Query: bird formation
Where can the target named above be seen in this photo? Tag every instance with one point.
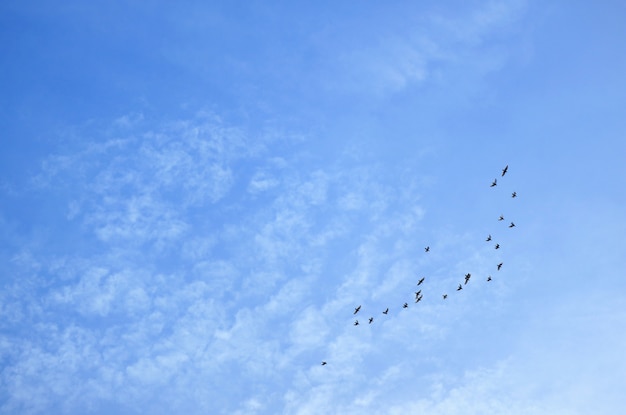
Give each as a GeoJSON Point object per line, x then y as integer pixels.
{"type": "Point", "coordinates": [418, 294]}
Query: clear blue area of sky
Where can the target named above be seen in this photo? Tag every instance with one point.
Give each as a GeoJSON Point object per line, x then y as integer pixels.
{"type": "Point", "coordinates": [195, 196]}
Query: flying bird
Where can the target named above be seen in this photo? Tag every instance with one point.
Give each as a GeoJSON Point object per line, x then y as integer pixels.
{"type": "Point", "coordinates": [514, 194]}
{"type": "Point", "coordinates": [445, 296]}
{"type": "Point", "coordinates": [488, 238]}
{"type": "Point", "coordinates": [405, 305]}
{"type": "Point", "coordinates": [467, 277]}
{"type": "Point", "coordinates": [421, 281]}
{"type": "Point", "coordinates": [371, 319]}
{"type": "Point", "coordinates": [386, 310]}
{"type": "Point", "coordinates": [512, 225]}
{"type": "Point", "coordinates": [460, 287]}
{"type": "Point", "coordinates": [494, 183]}
{"type": "Point", "coordinates": [499, 266]}
{"type": "Point", "coordinates": [501, 217]}
{"type": "Point", "coordinates": [323, 363]}
{"type": "Point", "coordinates": [427, 249]}
{"type": "Point", "coordinates": [418, 299]}
{"type": "Point", "coordinates": [417, 293]}
{"type": "Point", "coordinates": [489, 278]}
{"type": "Point", "coordinates": [356, 310]}
{"type": "Point", "coordinates": [497, 246]}
{"type": "Point", "coordinates": [505, 169]}
{"type": "Point", "coordinates": [356, 322]}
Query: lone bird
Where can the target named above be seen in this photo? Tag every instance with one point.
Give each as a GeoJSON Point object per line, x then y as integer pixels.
{"type": "Point", "coordinates": [356, 310]}
{"type": "Point", "coordinates": [494, 183]}
{"type": "Point", "coordinates": [488, 238]}
{"type": "Point", "coordinates": [499, 266]}
{"type": "Point", "coordinates": [512, 225]}
{"type": "Point", "coordinates": [356, 322]}
{"type": "Point", "coordinates": [514, 194]}
{"type": "Point", "coordinates": [489, 278]}
{"type": "Point", "coordinates": [405, 305]}
{"type": "Point", "coordinates": [386, 310]}
{"type": "Point", "coordinates": [323, 363]}
{"type": "Point", "coordinates": [505, 169]}
{"type": "Point", "coordinates": [421, 281]}
{"type": "Point", "coordinates": [427, 249]}
{"type": "Point", "coordinates": [445, 296]}
{"type": "Point", "coordinates": [467, 277]}
{"type": "Point", "coordinates": [501, 217]}
{"type": "Point", "coordinates": [460, 287]}
{"type": "Point", "coordinates": [497, 246]}
{"type": "Point", "coordinates": [371, 319]}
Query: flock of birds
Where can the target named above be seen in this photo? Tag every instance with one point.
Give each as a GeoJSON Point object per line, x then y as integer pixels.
{"type": "Point", "coordinates": [468, 276]}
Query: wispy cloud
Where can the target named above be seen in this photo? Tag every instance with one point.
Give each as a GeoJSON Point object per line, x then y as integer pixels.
{"type": "Point", "coordinates": [425, 48]}
{"type": "Point", "coordinates": [139, 187]}
{"type": "Point", "coordinates": [173, 297]}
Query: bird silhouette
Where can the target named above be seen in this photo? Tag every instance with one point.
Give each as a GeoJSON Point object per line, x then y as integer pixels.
{"type": "Point", "coordinates": [499, 266]}
{"type": "Point", "coordinates": [356, 310]}
{"type": "Point", "coordinates": [488, 238]}
{"type": "Point", "coordinates": [405, 305]}
{"type": "Point", "coordinates": [371, 319]}
{"type": "Point", "coordinates": [512, 225]}
{"type": "Point", "coordinates": [427, 249]}
{"type": "Point", "coordinates": [514, 194]}
{"type": "Point", "coordinates": [501, 217]}
{"type": "Point", "coordinates": [505, 169]}
{"type": "Point", "coordinates": [356, 322]}
{"type": "Point", "coordinates": [467, 277]}
{"type": "Point", "coordinates": [323, 363]}
{"type": "Point", "coordinates": [418, 299]}
{"type": "Point", "coordinates": [494, 183]}
{"type": "Point", "coordinates": [421, 281]}
{"type": "Point", "coordinates": [417, 293]}
{"type": "Point", "coordinates": [460, 287]}
{"type": "Point", "coordinates": [497, 246]}
{"type": "Point", "coordinates": [489, 278]}
{"type": "Point", "coordinates": [386, 310]}
{"type": "Point", "coordinates": [445, 296]}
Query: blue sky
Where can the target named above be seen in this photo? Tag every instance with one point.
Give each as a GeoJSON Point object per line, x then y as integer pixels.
{"type": "Point", "coordinates": [195, 197]}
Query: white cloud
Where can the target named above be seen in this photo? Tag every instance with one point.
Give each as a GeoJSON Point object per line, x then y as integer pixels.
{"type": "Point", "coordinates": [139, 188]}
{"type": "Point", "coordinates": [97, 291]}
{"type": "Point", "coordinates": [261, 182]}
{"type": "Point", "coordinates": [422, 49]}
